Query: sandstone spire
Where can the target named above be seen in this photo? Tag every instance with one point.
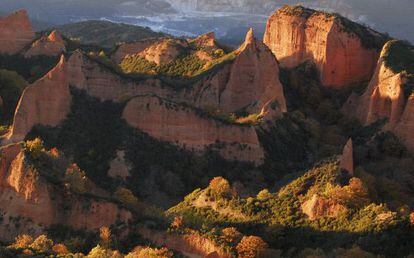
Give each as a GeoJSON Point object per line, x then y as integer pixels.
{"type": "Point", "coordinates": [347, 158]}
{"type": "Point", "coordinates": [254, 79]}
{"type": "Point", "coordinates": [46, 102]}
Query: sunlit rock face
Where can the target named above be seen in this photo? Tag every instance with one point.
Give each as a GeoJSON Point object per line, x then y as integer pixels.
{"type": "Point", "coordinates": [52, 45]}
{"type": "Point", "coordinates": [188, 128]}
{"type": "Point", "coordinates": [389, 94]}
{"type": "Point", "coordinates": [344, 52]}
{"type": "Point", "coordinates": [254, 79]}
{"type": "Point", "coordinates": [47, 102]}
{"type": "Point", "coordinates": [26, 194]}
{"type": "Point", "coordinates": [16, 32]}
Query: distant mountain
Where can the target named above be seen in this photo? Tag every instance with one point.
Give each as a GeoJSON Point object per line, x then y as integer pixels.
{"type": "Point", "coordinates": [106, 34]}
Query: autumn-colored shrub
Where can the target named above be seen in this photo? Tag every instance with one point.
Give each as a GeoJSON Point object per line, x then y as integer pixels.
{"type": "Point", "coordinates": [231, 235]}
{"type": "Point", "coordinates": [22, 241]}
{"type": "Point", "coordinates": [126, 197]}
{"type": "Point", "coordinates": [60, 249]}
{"type": "Point", "coordinates": [220, 187]}
{"type": "Point", "coordinates": [250, 246]}
{"type": "Point", "coordinates": [42, 244]}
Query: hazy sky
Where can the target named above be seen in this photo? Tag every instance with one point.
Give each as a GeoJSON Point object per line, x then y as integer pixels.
{"type": "Point", "coordinates": [393, 16]}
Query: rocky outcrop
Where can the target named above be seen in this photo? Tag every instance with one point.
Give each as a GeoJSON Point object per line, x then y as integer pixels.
{"type": "Point", "coordinates": [190, 244]}
{"type": "Point", "coordinates": [254, 79]}
{"type": "Point", "coordinates": [46, 102]}
{"type": "Point", "coordinates": [164, 51]}
{"type": "Point", "coordinates": [346, 162]}
{"type": "Point", "coordinates": [206, 41]}
{"type": "Point", "coordinates": [25, 194]}
{"type": "Point", "coordinates": [16, 32]}
{"type": "Point", "coordinates": [52, 45]}
{"type": "Point", "coordinates": [388, 95]}
{"type": "Point", "coordinates": [249, 82]}
{"type": "Point", "coordinates": [118, 168]}
{"type": "Point", "coordinates": [344, 52]}
{"type": "Point", "coordinates": [185, 126]}
{"type": "Point", "coordinates": [318, 207]}
{"type": "Point", "coordinates": [132, 48]}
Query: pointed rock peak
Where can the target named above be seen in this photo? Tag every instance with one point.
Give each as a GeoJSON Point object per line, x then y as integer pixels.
{"type": "Point", "coordinates": [55, 36]}
{"type": "Point", "coordinates": [250, 37]}
{"type": "Point", "coordinates": [62, 60]}
{"type": "Point", "coordinates": [347, 158]}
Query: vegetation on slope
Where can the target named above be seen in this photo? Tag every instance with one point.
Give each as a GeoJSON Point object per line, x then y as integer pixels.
{"type": "Point", "coordinates": [279, 220]}
{"type": "Point", "coordinates": [106, 34]}
{"type": "Point", "coordinates": [11, 87]}
{"type": "Point", "coordinates": [399, 57]}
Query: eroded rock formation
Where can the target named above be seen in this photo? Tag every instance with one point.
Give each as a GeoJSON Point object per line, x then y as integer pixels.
{"type": "Point", "coordinates": [52, 45]}
{"type": "Point", "coordinates": [346, 162]}
{"type": "Point", "coordinates": [250, 82]}
{"type": "Point", "coordinates": [254, 79]}
{"type": "Point", "coordinates": [16, 32]}
{"type": "Point", "coordinates": [175, 123]}
{"type": "Point", "coordinates": [389, 94]}
{"type": "Point", "coordinates": [317, 207]}
{"type": "Point", "coordinates": [191, 244]}
{"type": "Point", "coordinates": [132, 48]}
{"type": "Point", "coordinates": [46, 102]}
{"type": "Point", "coordinates": [344, 52]}
{"type": "Point", "coordinates": [26, 194]}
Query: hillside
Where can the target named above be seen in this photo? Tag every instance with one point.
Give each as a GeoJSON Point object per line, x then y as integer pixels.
{"type": "Point", "coordinates": [105, 34]}
{"type": "Point", "coordinates": [120, 142]}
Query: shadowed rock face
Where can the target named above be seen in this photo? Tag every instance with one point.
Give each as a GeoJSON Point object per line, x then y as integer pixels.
{"type": "Point", "coordinates": [336, 45]}
{"type": "Point", "coordinates": [28, 195]}
{"type": "Point", "coordinates": [387, 96]}
{"type": "Point", "coordinates": [347, 158]}
{"type": "Point", "coordinates": [175, 123]}
{"type": "Point", "coordinates": [15, 32]}
{"type": "Point", "coordinates": [52, 45]}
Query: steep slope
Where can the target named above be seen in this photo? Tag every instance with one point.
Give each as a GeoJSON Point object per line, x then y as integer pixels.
{"type": "Point", "coordinates": [344, 52]}
{"type": "Point", "coordinates": [172, 122]}
{"type": "Point", "coordinates": [254, 79]}
{"type": "Point", "coordinates": [47, 101]}
{"type": "Point", "coordinates": [390, 92]}
{"type": "Point", "coordinates": [52, 45]}
{"type": "Point", "coordinates": [16, 32]}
